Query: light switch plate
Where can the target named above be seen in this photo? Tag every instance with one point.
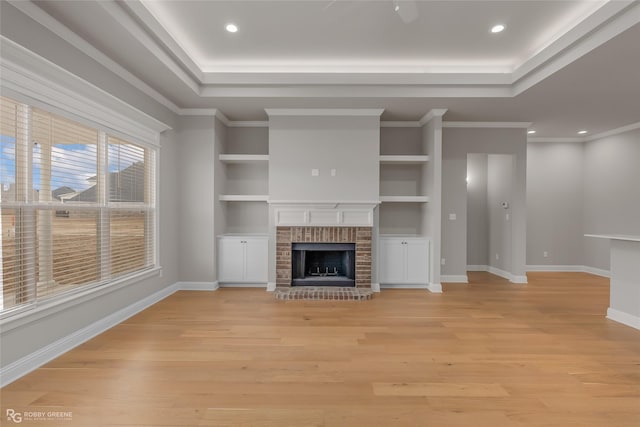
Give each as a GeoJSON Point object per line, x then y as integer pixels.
{"type": "Point", "coordinates": [315, 172]}
{"type": "Point", "coordinates": [452, 217]}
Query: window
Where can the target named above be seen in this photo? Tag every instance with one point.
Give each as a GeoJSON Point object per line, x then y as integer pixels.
{"type": "Point", "coordinates": [77, 206]}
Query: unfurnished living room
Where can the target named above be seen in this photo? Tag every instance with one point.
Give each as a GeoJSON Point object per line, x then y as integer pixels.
{"type": "Point", "coordinates": [321, 213]}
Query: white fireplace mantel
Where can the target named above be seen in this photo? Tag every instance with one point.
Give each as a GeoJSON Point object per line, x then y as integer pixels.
{"type": "Point", "coordinates": [323, 213]}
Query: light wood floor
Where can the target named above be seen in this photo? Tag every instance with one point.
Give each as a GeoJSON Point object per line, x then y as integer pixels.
{"type": "Point", "coordinates": [489, 353]}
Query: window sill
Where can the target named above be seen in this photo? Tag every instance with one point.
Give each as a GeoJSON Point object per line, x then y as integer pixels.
{"type": "Point", "coordinates": [31, 313]}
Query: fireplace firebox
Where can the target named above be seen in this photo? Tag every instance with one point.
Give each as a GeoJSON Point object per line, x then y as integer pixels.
{"type": "Point", "coordinates": [323, 264]}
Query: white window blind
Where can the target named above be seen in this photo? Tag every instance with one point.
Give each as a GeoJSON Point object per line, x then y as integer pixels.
{"type": "Point", "coordinates": [78, 206]}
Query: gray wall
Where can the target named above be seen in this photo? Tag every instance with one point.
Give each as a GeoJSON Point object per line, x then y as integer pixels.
{"type": "Point", "coordinates": [555, 203]}
{"type": "Point", "coordinates": [350, 145]}
{"type": "Point", "coordinates": [196, 159]}
{"type": "Point", "coordinates": [611, 193]}
{"type": "Point", "coordinates": [457, 143]}
{"type": "Point", "coordinates": [477, 210]}
{"type": "Point", "coordinates": [500, 179]}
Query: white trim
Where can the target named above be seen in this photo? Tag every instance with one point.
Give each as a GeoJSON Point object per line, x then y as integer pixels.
{"type": "Point", "coordinates": [53, 25]}
{"type": "Point", "coordinates": [519, 279]}
{"type": "Point", "coordinates": [503, 125]}
{"type": "Point", "coordinates": [613, 132]}
{"type": "Point", "coordinates": [271, 286]}
{"type": "Point", "coordinates": [597, 271]}
{"type": "Point", "coordinates": [557, 268]}
{"type": "Point", "coordinates": [248, 124]}
{"type": "Point", "coordinates": [477, 268]}
{"type": "Point", "coordinates": [324, 204]}
{"type": "Point", "coordinates": [454, 278]}
{"type": "Point", "coordinates": [243, 285]}
{"type": "Point", "coordinates": [404, 286]}
{"type": "Point", "coordinates": [400, 124]}
{"type": "Point", "coordinates": [499, 272]}
{"type": "Point", "coordinates": [346, 112]}
{"type": "Point", "coordinates": [435, 288]}
{"type": "Point", "coordinates": [197, 111]}
{"type": "Point", "coordinates": [131, 26]}
{"type": "Point", "coordinates": [436, 112]}
{"type": "Point", "coordinates": [197, 286]}
{"type": "Point", "coordinates": [243, 197]}
{"type": "Point", "coordinates": [375, 287]}
{"type": "Point", "coordinates": [624, 318]}
{"type": "Point", "coordinates": [34, 76]}
{"type": "Point", "coordinates": [555, 139]}
{"type": "Point", "coordinates": [26, 364]}
{"type": "Point", "coordinates": [404, 199]}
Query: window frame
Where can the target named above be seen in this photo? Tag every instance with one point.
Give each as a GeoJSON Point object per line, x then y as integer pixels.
{"type": "Point", "coordinates": [30, 79]}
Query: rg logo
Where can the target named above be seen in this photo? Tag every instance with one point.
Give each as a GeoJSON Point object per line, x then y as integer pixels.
{"type": "Point", "coordinates": [14, 416]}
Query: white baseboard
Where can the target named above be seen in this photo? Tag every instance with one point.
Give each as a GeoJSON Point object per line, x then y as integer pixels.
{"type": "Point", "coordinates": [404, 286]}
{"type": "Point", "coordinates": [597, 271]}
{"type": "Point", "coordinates": [198, 286]}
{"type": "Point", "coordinates": [454, 278]}
{"type": "Point", "coordinates": [498, 272]}
{"type": "Point", "coordinates": [28, 363]}
{"type": "Point", "coordinates": [624, 318]}
{"type": "Point", "coordinates": [243, 285]}
{"type": "Point", "coordinates": [271, 286]}
{"type": "Point", "coordinates": [435, 288]}
{"type": "Point", "coordinates": [375, 287]}
{"type": "Point", "coordinates": [557, 268]}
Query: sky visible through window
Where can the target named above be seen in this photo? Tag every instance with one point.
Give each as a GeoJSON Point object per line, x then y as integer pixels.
{"type": "Point", "coordinates": [72, 165]}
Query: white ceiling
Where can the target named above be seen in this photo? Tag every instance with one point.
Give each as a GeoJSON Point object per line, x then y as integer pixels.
{"type": "Point", "coordinates": [562, 65]}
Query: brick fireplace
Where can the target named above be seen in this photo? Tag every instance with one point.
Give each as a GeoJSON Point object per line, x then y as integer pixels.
{"type": "Point", "coordinates": [286, 236]}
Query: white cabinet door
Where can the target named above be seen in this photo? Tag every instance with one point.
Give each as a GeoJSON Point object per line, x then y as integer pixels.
{"type": "Point", "coordinates": [392, 261]}
{"type": "Point", "coordinates": [417, 261]}
{"type": "Point", "coordinates": [230, 260]}
{"type": "Point", "coordinates": [256, 260]}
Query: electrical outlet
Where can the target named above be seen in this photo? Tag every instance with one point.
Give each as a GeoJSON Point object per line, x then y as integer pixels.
{"type": "Point", "coordinates": [545, 254]}
{"type": "Point", "coordinates": [443, 261]}
{"type": "Point", "coordinates": [333, 172]}
{"type": "Point", "coordinates": [497, 257]}
{"type": "Point", "coordinates": [315, 172]}
{"type": "Point", "coordinates": [452, 217]}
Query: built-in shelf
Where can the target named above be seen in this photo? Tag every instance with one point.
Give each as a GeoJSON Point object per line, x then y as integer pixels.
{"type": "Point", "coordinates": [244, 197]}
{"type": "Point", "coordinates": [404, 199]}
{"type": "Point", "coordinates": [407, 160]}
{"type": "Point", "coordinates": [244, 158]}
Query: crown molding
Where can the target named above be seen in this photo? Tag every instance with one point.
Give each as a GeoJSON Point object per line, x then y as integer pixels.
{"type": "Point", "coordinates": [608, 21]}
{"type": "Point", "coordinates": [249, 124]}
{"type": "Point", "coordinates": [53, 25]}
{"type": "Point", "coordinates": [341, 112]}
{"type": "Point", "coordinates": [502, 125]}
{"type": "Point", "coordinates": [400, 124]}
{"type": "Point", "coordinates": [555, 139]}
{"type": "Point", "coordinates": [436, 112]}
{"type": "Point", "coordinates": [612, 132]}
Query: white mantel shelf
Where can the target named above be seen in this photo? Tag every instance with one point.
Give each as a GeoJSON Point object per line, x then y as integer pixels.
{"type": "Point", "coordinates": [324, 213]}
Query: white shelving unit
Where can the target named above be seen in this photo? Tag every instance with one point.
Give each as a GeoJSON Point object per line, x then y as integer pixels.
{"type": "Point", "coordinates": [244, 158]}
{"type": "Point", "coordinates": [406, 160]}
{"type": "Point", "coordinates": [243, 197]}
{"type": "Point", "coordinates": [404, 199]}
{"type": "Point", "coordinates": [403, 163]}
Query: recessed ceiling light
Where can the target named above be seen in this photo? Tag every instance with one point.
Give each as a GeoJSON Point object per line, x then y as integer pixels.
{"type": "Point", "coordinates": [531, 132]}
{"type": "Point", "coordinates": [582, 132]}
{"type": "Point", "coordinates": [497, 28]}
{"type": "Point", "coordinates": [397, 8]}
{"type": "Point", "coordinates": [232, 28]}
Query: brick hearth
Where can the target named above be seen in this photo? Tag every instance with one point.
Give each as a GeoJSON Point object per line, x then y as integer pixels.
{"type": "Point", "coordinates": [361, 236]}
